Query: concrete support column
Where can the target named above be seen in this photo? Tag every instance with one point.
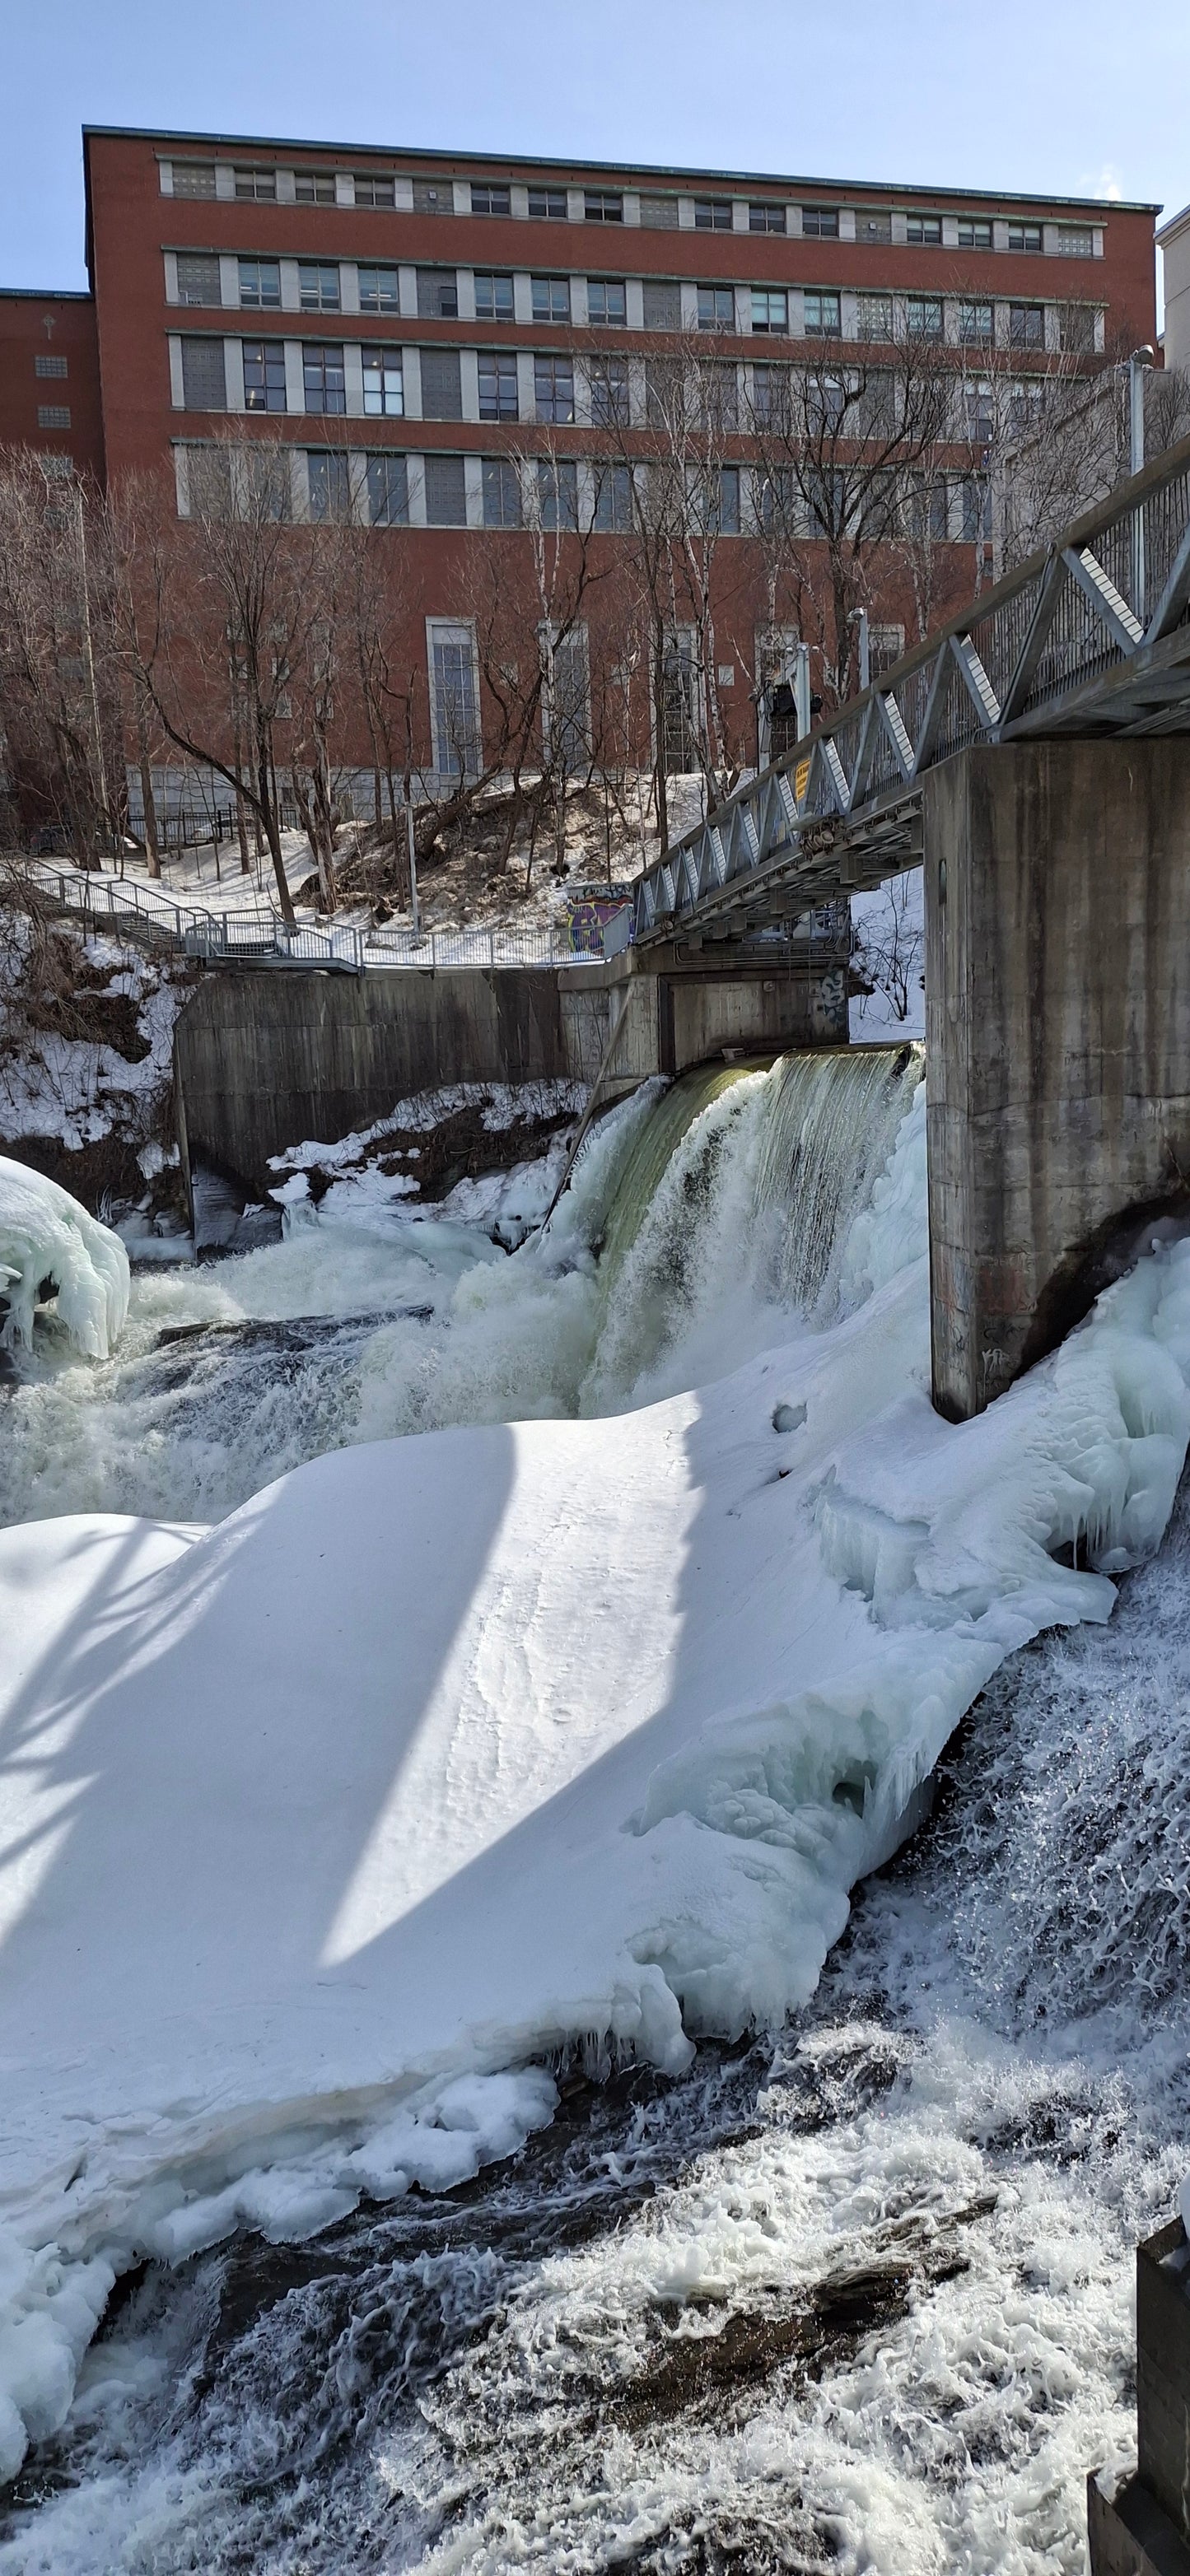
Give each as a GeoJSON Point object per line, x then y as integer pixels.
{"type": "Point", "coordinates": [1057, 880]}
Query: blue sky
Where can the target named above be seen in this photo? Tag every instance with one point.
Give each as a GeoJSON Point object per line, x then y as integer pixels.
{"type": "Point", "coordinates": [1051, 95]}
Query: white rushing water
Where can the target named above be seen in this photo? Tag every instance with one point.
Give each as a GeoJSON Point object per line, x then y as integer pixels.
{"type": "Point", "coordinates": [854, 2297]}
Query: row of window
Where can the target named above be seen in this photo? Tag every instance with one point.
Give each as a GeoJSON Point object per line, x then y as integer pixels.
{"type": "Point", "coordinates": [557, 202]}
{"type": "Point", "coordinates": [362, 382]}
{"type": "Point", "coordinates": [485, 295]}
{"type": "Point", "coordinates": [396, 490]}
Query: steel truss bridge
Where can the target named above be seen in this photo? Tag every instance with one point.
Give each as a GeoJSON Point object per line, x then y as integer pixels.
{"type": "Point", "coordinates": [1091, 637]}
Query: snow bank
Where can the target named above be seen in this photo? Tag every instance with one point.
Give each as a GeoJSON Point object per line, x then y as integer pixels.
{"type": "Point", "coordinates": [449, 1752]}
{"type": "Point", "coordinates": [45, 1234]}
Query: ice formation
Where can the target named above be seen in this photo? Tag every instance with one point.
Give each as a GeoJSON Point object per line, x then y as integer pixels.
{"type": "Point", "coordinates": [46, 1235]}
{"type": "Point", "coordinates": [445, 1752]}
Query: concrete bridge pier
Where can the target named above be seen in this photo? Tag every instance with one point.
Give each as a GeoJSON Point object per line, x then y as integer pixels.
{"type": "Point", "coordinates": [1057, 885]}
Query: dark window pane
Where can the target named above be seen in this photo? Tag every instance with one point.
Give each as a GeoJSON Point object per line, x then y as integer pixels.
{"type": "Point", "coordinates": [553, 385]}
{"type": "Point", "coordinates": [318, 285]}
{"type": "Point", "coordinates": [924, 229]}
{"type": "Point", "coordinates": [379, 290]}
{"type": "Point", "coordinates": [820, 223]}
{"type": "Point", "coordinates": [374, 190]}
{"type": "Point", "coordinates": [258, 184]}
{"type": "Point", "coordinates": [388, 492]}
{"type": "Point", "coordinates": [975, 232]}
{"type": "Point", "coordinates": [607, 299]}
{"type": "Point", "coordinates": [498, 386]}
{"type": "Point", "coordinates": [501, 493]}
{"type": "Point", "coordinates": [493, 297]}
{"type": "Point", "coordinates": [489, 197]}
{"type": "Point", "coordinates": [557, 494]}
{"type": "Point", "coordinates": [609, 392]}
{"type": "Point", "coordinates": [314, 187]}
{"type": "Point", "coordinates": [551, 299]}
{"type": "Point", "coordinates": [330, 484]}
{"type": "Point", "coordinates": [264, 375]}
{"type": "Point", "coordinates": [613, 499]}
{"type": "Point", "coordinates": [384, 382]}
{"type": "Point", "coordinates": [766, 218]}
{"type": "Point", "coordinates": [260, 285]}
{"type": "Point", "coordinates": [712, 214]}
{"type": "Point", "coordinates": [1026, 326]}
{"type": "Point", "coordinates": [603, 206]}
{"type": "Point", "coordinates": [548, 205]}
{"type": "Point", "coordinates": [325, 383]}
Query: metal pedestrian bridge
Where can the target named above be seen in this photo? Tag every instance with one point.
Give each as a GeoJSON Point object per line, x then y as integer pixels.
{"type": "Point", "coordinates": [1091, 638]}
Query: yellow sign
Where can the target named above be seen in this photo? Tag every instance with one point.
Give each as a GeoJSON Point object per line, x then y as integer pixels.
{"type": "Point", "coordinates": [801, 779]}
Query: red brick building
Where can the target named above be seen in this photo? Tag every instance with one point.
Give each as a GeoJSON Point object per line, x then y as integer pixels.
{"type": "Point", "coordinates": [415, 324]}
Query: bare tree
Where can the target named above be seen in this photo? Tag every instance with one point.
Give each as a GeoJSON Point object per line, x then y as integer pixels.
{"type": "Point", "coordinates": [58, 702]}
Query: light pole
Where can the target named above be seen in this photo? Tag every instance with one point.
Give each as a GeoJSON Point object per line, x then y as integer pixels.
{"type": "Point", "coordinates": [859, 617]}
{"type": "Point", "coordinates": [801, 691]}
{"type": "Point", "coordinates": [1138, 367]}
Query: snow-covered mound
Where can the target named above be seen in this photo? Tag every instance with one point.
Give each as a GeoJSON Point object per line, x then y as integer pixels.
{"type": "Point", "coordinates": [45, 1234]}
{"type": "Point", "coordinates": [445, 1752]}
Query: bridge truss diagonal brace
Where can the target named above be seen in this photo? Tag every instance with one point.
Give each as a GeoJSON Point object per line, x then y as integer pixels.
{"type": "Point", "coordinates": [979, 687]}
{"type": "Point", "coordinates": [1110, 607]}
{"type": "Point", "coordinates": [1036, 638]}
{"type": "Point", "coordinates": [1175, 597]}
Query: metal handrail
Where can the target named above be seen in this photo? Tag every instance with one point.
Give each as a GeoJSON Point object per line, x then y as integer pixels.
{"type": "Point", "coordinates": [1091, 634]}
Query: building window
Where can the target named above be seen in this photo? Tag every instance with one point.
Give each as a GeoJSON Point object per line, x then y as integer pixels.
{"type": "Point", "coordinates": [57, 415]}
{"type": "Point", "coordinates": [924, 316]}
{"type": "Point", "coordinates": [264, 372]}
{"type": "Point", "coordinates": [314, 187]}
{"type": "Point", "coordinates": [1076, 326]}
{"type": "Point", "coordinates": [603, 206]}
{"type": "Point", "coordinates": [820, 223]}
{"type": "Point", "coordinates": [822, 316]}
{"type": "Point", "coordinates": [493, 297]}
{"type": "Point", "coordinates": [441, 385]}
{"type": "Point", "coordinates": [446, 492]}
{"type": "Point", "coordinates": [719, 396]}
{"type": "Point", "coordinates": [662, 298]}
{"type": "Point", "coordinates": [565, 697]}
{"type": "Point", "coordinates": [323, 377]}
{"type": "Point", "coordinates": [1026, 237]}
{"type": "Point", "coordinates": [609, 385]}
{"type": "Point", "coordinates": [258, 184]}
{"type": "Point", "coordinates": [873, 224]}
{"type": "Point", "coordinates": [975, 322]}
{"type": "Point", "coordinates": [924, 230]}
{"type": "Point", "coordinates": [329, 484]}
{"type": "Point", "coordinates": [318, 285]}
{"type": "Point", "coordinates": [613, 499]}
{"type": "Point", "coordinates": [60, 469]}
{"type": "Point", "coordinates": [501, 492]}
{"type": "Point", "coordinates": [454, 697]}
{"type": "Point", "coordinates": [874, 317]}
{"type": "Point", "coordinates": [766, 217]}
{"type": "Point", "coordinates": [1076, 241]}
{"type": "Point", "coordinates": [388, 491]}
{"type": "Point", "coordinates": [770, 397]}
{"type": "Point", "coordinates": [716, 308]}
{"type": "Point", "coordinates": [437, 294]}
{"type": "Point", "coordinates": [204, 382]}
{"type": "Point", "coordinates": [712, 215]}
{"type": "Point", "coordinates": [379, 290]}
{"type": "Point", "coordinates": [724, 515]}
{"type": "Point", "coordinates": [975, 232]}
{"type": "Point", "coordinates": [976, 498]}
{"type": "Point", "coordinates": [198, 278]}
{"type": "Point", "coordinates": [43, 366]}
{"type": "Point", "coordinates": [260, 284]}
{"type": "Point", "coordinates": [384, 383]}
{"type": "Point", "coordinates": [770, 309]}
{"type": "Point", "coordinates": [194, 178]}
{"type": "Point", "coordinates": [659, 213]}
{"type": "Point", "coordinates": [548, 205]}
{"type": "Point", "coordinates": [557, 493]}
{"type": "Point", "coordinates": [607, 299]}
{"type": "Point", "coordinates": [1026, 326]}
{"type": "Point", "coordinates": [680, 703]}
{"type": "Point", "coordinates": [981, 415]}
{"type": "Point", "coordinates": [490, 197]}
{"type": "Point", "coordinates": [553, 389]}
{"type": "Point", "coordinates": [498, 395]}
{"type": "Point", "coordinates": [551, 299]}
{"type": "Point", "coordinates": [433, 197]}
{"type": "Point", "coordinates": [372, 188]}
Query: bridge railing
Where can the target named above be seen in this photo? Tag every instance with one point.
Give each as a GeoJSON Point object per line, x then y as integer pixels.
{"type": "Point", "coordinates": [1094, 629]}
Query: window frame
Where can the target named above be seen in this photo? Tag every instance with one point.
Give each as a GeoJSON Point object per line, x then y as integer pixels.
{"type": "Point", "coordinates": [716, 320]}
{"type": "Point", "coordinates": [252, 186]}
{"type": "Point", "coordinates": [503, 473]}
{"type": "Point", "coordinates": [457, 633]}
{"type": "Point", "coordinates": [337, 465]}
{"type": "Point", "coordinates": [820, 223]}
{"type": "Point", "coordinates": [710, 214]}
{"type": "Point", "coordinates": [492, 188]}
{"type": "Point", "coordinates": [210, 260]}
{"type": "Point", "coordinates": [767, 208]}
{"type": "Point", "coordinates": [380, 269]}
{"type": "Point", "coordinates": [320, 379]}
{"type": "Point", "coordinates": [322, 270]}
{"type": "Point", "coordinates": [559, 365]}
{"type": "Point", "coordinates": [975, 334]}
{"type": "Point", "coordinates": [383, 358]}
{"type": "Point", "coordinates": [819, 329]}
{"type": "Point", "coordinates": [1030, 239]}
{"type": "Point", "coordinates": [552, 205]}
{"type": "Point", "coordinates": [375, 183]}
{"type": "Point", "coordinates": [917, 307]}
{"type": "Point", "coordinates": [494, 277]}
{"type": "Point", "coordinates": [1020, 316]}
{"type": "Point", "coordinates": [976, 232]}
{"type": "Point", "coordinates": [603, 205]}
{"type": "Point", "coordinates": [543, 292]}
{"type": "Point", "coordinates": [322, 187]}
{"type": "Point", "coordinates": [272, 373]}
{"type": "Point", "coordinates": [928, 233]}
{"type": "Point", "coordinates": [389, 458]}
{"type": "Point", "coordinates": [604, 286]}
{"type": "Point", "coordinates": [258, 302]}
{"type": "Point", "coordinates": [501, 365]}
{"type": "Point", "coordinates": [767, 329]}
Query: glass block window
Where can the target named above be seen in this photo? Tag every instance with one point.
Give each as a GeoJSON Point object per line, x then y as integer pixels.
{"type": "Point", "coordinates": [318, 285]}
{"type": "Point", "coordinates": [258, 185]}
{"type": "Point", "coordinates": [770, 309]}
{"type": "Point", "coordinates": [1026, 237]}
{"type": "Point", "coordinates": [874, 317]}
{"type": "Point", "coordinates": [491, 197]}
{"type": "Point", "coordinates": [609, 387]}
{"type": "Point", "coordinates": [384, 383]}
{"type": "Point", "coordinates": [437, 294]}
{"type": "Point", "coordinates": [553, 389]}
{"type": "Point", "coordinates": [613, 499]}
{"type": "Point", "coordinates": [379, 289]}
{"type": "Point", "coordinates": [660, 213]}
{"type": "Point", "coordinates": [557, 493]}
{"type": "Point", "coordinates": [822, 314]}
{"type": "Point", "coordinates": [1026, 326]}
{"type": "Point", "coordinates": [924, 230]}
{"type": "Point", "coordinates": [493, 296]}
{"type": "Point", "coordinates": [975, 232]}
{"type": "Point", "coordinates": [662, 304]}
{"type": "Point", "coordinates": [1076, 241]}
{"type": "Point", "coordinates": [607, 300]}
{"type": "Point", "coordinates": [766, 217]}
{"type": "Point", "coordinates": [314, 187]}
{"type": "Point", "coordinates": [374, 188]}
{"type": "Point", "coordinates": [603, 206]}
{"type": "Point", "coordinates": [57, 415]}
{"type": "Point", "coordinates": [820, 223]}
{"type": "Point", "coordinates": [198, 277]}
{"type": "Point", "coordinates": [260, 284]}
{"type": "Point", "coordinates": [194, 178]}
{"type": "Point", "coordinates": [501, 493]}
{"type": "Point", "coordinates": [329, 484]}
{"type": "Point", "coordinates": [204, 382]}
{"type": "Point", "coordinates": [498, 394]}
{"type": "Point", "coordinates": [446, 492]}
{"type": "Point", "coordinates": [433, 197]}
{"type": "Point", "coordinates": [548, 205]}
{"type": "Point", "coordinates": [873, 224]}
{"type": "Point", "coordinates": [712, 215]}
{"type": "Point", "coordinates": [323, 377]}
{"type": "Point", "coordinates": [50, 366]}
{"type": "Point", "coordinates": [441, 385]}
{"type": "Point", "coordinates": [388, 491]}
{"type": "Point", "coordinates": [264, 374]}
{"type": "Point", "coordinates": [551, 299]}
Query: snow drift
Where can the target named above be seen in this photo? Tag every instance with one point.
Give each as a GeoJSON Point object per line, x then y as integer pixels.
{"type": "Point", "coordinates": [445, 1753]}
{"type": "Point", "coordinates": [46, 1235]}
